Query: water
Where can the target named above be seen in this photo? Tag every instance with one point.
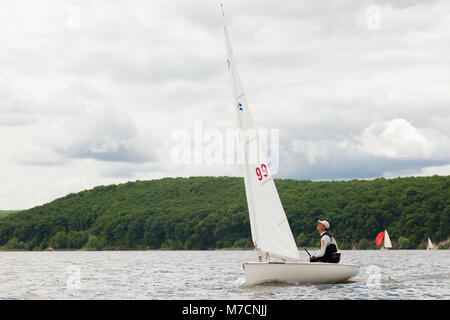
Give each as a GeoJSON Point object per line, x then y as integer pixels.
{"type": "Point", "coordinates": [392, 274]}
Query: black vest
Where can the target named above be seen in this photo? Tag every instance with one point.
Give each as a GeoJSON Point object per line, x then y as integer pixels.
{"type": "Point", "coordinates": [331, 248]}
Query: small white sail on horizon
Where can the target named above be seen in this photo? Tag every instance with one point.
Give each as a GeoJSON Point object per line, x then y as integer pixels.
{"type": "Point", "coordinates": [387, 241]}
{"type": "Point", "coordinates": [430, 244]}
{"type": "Point", "coordinates": [270, 228]}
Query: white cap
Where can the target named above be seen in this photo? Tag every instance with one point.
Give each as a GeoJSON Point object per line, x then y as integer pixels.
{"type": "Point", "coordinates": [325, 223]}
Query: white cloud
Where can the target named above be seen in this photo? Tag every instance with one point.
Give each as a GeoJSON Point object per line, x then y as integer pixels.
{"type": "Point", "coordinates": [439, 170]}
{"type": "Point", "coordinates": [443, 170]}
{"type": "Point", "coordinates": [90, 91]}
{"type": "Point", "coordinates": [388, 148]}
{"type": "Point", "coordinates": [395, 139]}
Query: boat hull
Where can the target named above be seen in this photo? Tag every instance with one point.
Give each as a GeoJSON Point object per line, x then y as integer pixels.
{"type": "Point", "coordinates": [298, 272]}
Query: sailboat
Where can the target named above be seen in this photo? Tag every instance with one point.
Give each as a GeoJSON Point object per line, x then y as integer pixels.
{"type": "Point", "coordinates": [383, 240]}
{"type": "Point", "coordinates": [430, 244]}
{"type": "Point", "coordinates": [387, 241]}
{"type": "Point", "coordinates": [278, 255]}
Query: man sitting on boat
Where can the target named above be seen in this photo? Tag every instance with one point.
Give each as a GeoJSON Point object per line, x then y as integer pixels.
{"type": "Point", "coordinates": [328, 251]}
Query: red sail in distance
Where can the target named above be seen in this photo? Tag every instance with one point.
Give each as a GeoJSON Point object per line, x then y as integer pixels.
{"type": "Point", "coordinates": [379, 238]}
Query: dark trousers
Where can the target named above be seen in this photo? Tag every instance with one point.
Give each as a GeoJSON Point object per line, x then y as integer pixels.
{"type": "Point", "coordinates": [332, 258]}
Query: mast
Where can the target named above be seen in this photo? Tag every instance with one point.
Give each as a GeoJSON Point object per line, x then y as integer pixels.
{"type": "Point", "coordinates": [240, 101]}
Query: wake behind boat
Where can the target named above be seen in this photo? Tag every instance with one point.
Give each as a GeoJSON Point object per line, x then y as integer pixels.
{"type": "Point", "coordinates": [271, 233]}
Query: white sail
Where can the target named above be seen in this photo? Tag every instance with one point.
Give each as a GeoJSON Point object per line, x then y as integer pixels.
{"type": "Point", "coordinates": [430, 244]}
{"type": "Point", "coordinates": [269, 226]}
{"type": "Point", "coordinates": [387, 240]}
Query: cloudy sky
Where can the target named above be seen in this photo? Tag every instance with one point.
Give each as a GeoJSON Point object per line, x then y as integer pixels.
{"type": "Point", "coordinates": [95, 92]}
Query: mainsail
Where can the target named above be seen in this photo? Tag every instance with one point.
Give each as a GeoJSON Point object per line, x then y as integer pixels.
{"type": "Point", "coordinates": [387, 240]}
{"type": "Point", "coordinates": [269, 226]}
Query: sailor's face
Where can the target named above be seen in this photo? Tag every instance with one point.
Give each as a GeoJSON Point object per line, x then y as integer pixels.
{"type": "Point", "coordinates": [320, 227]}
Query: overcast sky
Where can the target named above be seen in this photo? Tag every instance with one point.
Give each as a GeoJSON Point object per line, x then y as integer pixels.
{"type": "Point", "coordinates": [91, 92]}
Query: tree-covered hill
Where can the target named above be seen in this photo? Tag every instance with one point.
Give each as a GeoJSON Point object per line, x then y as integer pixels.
{"type": "Point", "coordinates": [211, 212]}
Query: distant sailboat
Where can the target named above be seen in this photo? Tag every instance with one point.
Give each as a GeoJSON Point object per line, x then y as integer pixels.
{"type": "Point", "coordinates": [270, 230]}
{"type": "Point", "coordinates": [387, 241]}
{"type": "Point", "coordinates": [383, 240]}
{"type": "Point", "coordinates": [430, 244]}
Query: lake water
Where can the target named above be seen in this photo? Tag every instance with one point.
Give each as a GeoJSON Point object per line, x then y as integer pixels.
{"type": "Point", "coordinates": [218, 275]}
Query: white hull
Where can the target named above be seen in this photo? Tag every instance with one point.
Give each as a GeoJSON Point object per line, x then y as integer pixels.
{"type": "Point", "coordinates": [299, 272]}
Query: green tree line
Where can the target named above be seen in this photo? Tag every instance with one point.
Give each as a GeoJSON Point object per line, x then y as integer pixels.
{"type": "Point", "coordinates": [211, 212]}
